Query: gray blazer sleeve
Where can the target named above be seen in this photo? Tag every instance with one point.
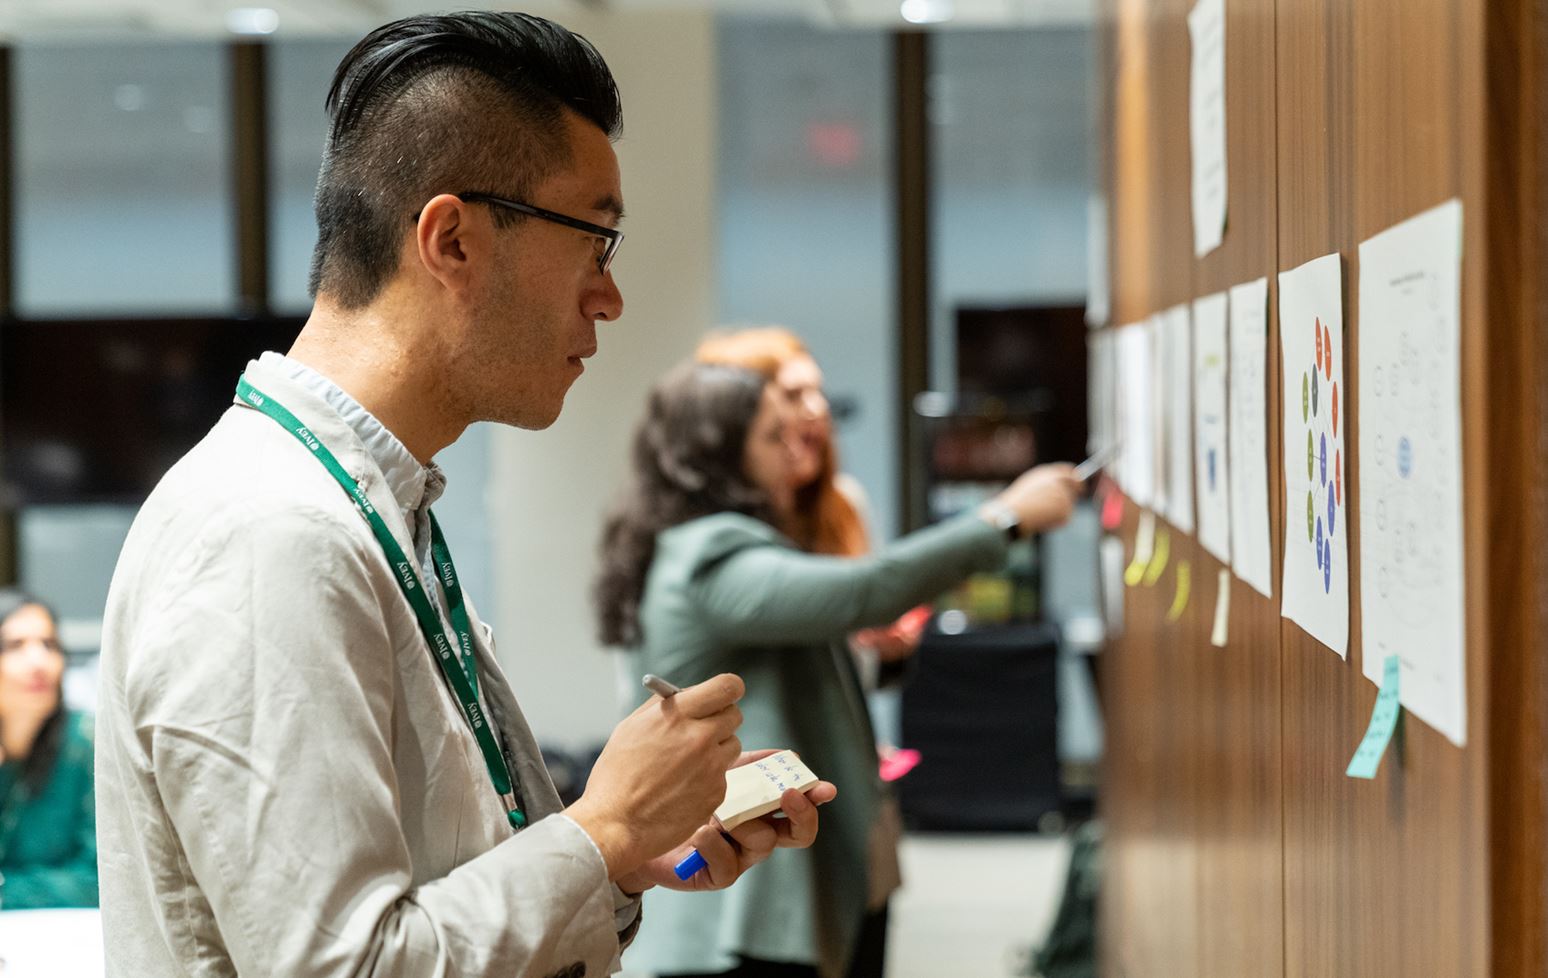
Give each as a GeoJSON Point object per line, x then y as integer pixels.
{"type": "Point", "coordinates": [751, 585]}
{"type": "Point", "coordinates": [266, 707]}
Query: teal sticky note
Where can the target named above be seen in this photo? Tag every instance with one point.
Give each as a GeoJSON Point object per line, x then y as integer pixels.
{"type": "Point", "coordinates": [1384, 720]}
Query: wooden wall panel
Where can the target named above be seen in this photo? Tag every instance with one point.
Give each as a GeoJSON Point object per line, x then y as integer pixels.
{"type": "Point", "coordinates": [1237, 847]}
{"type": "Point", "coordinates": [1384, 877]}
{"type": "Point", "coordinates": [1152, 809]}
{"type": "Point", "coordinates": [1242, 872]}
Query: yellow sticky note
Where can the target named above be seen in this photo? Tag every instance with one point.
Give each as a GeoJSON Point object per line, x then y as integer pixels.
{"type": "Point", "coordinates": [1180, 599]}
{"type": "Point", "coordinates": [1217, 637]}
{"type": "Point", "coordinates": [1144, 549]}
{"type": "Point", "coordinates": [1158, 560]}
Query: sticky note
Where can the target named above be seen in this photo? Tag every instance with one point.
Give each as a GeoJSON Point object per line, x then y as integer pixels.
{"type": "Point", "coordinates": [1112, 508]}
{"type": "Point", "coordinates": [1384, 720]}
{"type": "Point", "coordinates": [1180, 599]}
{"type": "Point", "coordinates": [1157, 565]}
{"type": "Point", "coordinates": [1144, 549]}
{"type": "Point", "coordinates": [754, 790]}
{"type": "Point", "coordinates": [1217, 638]}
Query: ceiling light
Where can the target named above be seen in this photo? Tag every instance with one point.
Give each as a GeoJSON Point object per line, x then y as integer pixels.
{"type": "Point", "coordinates": [926, 11]}
{"type": "Point", "coordinates": [252, 20]}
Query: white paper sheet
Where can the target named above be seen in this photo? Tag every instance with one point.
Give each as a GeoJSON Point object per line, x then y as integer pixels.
{"type": "Point", "coordinates": [1251, 558]}
{"type": "Point", "coordinates": [1177, 327]}
{"type": "Point", "coordinates": [1311, 333]}
{"type": "Point", "coordinates": [1411, 557]}
{"type": "Point", "coordinates": [1100, 391]}
{"type": "Point", "coordinates": [1222, 627]}
{"type": "Point", "coordinates": [1206, 123]}
{"type": "Point", "coordinates": [1136, 413]}
{"type": "Point", "coordinates": [1211, 472]}
{"type": "Point", "coordinates": [1098, 295]}
{"type": "Point", "coordinates": [1160, 501]}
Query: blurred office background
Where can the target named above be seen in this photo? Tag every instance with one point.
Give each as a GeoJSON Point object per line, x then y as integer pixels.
{"type": "Point", "coordinates": [904, 186]}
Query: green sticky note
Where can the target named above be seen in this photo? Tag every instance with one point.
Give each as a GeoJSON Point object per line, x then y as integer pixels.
{"type": "Point", "coordinates": [1384, 720]}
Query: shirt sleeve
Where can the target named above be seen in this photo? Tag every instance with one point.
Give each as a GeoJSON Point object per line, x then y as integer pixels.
{"type": "Point", "coordinates": [265, 687]}
{"type": "Point", "coordinates": [769, 592]}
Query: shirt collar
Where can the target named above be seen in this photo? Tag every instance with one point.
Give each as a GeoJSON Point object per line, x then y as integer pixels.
{"type": "Point", "coordinates": [414, 486]}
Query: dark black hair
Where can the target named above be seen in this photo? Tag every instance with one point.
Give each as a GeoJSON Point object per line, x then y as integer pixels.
{"type": "Point", "coordinates": [446, 103]}
{"type": "Point", "coordinates": [687, 462]}
{"type": "Point", "coordinates": [39, 763]}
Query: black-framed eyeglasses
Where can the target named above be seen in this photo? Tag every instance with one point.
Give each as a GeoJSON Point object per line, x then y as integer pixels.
{"type": "Point", "coordinates": [612, 236]}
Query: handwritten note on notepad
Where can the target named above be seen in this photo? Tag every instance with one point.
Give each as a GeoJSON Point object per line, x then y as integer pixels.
{"type": "Point", "coordinates": [754, 789]}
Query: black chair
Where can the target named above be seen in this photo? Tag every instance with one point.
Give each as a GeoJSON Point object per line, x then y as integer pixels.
{"type": "Point", "coordinates": [982, 710]}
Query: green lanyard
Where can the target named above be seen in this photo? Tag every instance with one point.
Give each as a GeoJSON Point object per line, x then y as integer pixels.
{"type": "Point", "coordinates": [464, 680]}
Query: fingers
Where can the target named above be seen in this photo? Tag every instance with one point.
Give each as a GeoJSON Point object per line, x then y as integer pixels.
{"type": "Point", "coordinates": [722, 857]}
{"type": "Point", "coordinates": [710, 697]}
{"type": "Point", "coordinates": [799, 828]}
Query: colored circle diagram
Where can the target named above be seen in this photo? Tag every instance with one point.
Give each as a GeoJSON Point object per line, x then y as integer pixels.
{"type": "Point", "coordinates": [1324, 451]}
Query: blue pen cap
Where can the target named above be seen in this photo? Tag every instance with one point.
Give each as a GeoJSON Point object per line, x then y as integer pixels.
{"type": "Point", "coordinates": [690, 865]}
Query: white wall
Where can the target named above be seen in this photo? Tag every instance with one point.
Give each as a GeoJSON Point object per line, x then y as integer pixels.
{"type": "Point", "coordinates": [548, 490]}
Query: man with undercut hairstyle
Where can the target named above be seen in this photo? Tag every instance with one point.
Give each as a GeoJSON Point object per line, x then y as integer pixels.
{"type": "Point", "coordinates": [309, 762]}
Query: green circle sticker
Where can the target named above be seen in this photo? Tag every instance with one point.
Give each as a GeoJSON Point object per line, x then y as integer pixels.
{"type": "Point", "coordinates": [1305, 398]}
{"type": "Point", "coordinates": [1310, 514]}
{"type": "Point", "coordinates": [1310, 456]}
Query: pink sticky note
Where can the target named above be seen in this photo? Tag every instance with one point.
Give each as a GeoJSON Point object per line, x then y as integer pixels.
{"type": "Point", "coordinates": [899, 763]}
{"type": "Point", "coordinates": [1112, 509]}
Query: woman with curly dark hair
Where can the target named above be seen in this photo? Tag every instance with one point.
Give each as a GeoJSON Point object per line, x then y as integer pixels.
{"type": "Point", "coordinates": [700, 576]}
{"type": "Point", "coordinates": [48, 825]}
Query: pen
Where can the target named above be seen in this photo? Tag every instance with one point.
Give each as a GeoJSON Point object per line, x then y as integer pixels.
{"type": "Point", "coordinates": [660, 686]}
{"type": "Point", "coordinates": [693, 862]}
{"type": "Point", "coordinates": [1095, 463]}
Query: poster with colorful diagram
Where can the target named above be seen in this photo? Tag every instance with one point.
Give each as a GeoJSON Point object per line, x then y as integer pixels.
{"type": "Point", "coordinates": [1316, 571]}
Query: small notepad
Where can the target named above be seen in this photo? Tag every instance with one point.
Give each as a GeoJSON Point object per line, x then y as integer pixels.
{"type": "Point", "coordinates": [755, 789]}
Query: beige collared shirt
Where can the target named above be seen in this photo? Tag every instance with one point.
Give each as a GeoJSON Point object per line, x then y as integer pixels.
{"type": "Point", "coordinates": [285, 784]}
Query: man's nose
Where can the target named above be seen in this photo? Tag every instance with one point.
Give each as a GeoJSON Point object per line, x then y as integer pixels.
{"type": "Point", "coordinates": [605, 303]}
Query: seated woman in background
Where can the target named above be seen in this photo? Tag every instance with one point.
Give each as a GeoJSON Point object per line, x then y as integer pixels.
{"type": "Point", "coordinates": [700, 576]}
{"type": "Point", "coordinates": [48, 820]}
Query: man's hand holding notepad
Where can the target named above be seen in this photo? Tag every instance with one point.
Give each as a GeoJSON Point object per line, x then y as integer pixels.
{"type": "Point", "coordinates": [761, 787]}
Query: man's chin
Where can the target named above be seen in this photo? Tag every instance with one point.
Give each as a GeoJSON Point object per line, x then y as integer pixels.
{"type": "Point", "coordinates": [537, 417]}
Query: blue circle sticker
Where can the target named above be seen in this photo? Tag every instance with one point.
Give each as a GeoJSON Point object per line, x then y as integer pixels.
{"type": "Point", "coordinates": [1405, 458]}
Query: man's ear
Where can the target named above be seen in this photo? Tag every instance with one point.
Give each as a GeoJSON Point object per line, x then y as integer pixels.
{"type": "Point", "coordinates": [448, 237]}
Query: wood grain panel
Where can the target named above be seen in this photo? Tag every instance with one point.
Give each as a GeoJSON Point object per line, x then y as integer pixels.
{"type": "Point", "coordinates": [1150, 804]}
{"type": "Point", "coordinates": [1512, 367]}
{"type": "Point", "coordinates": [1383, 877]}
{"type": "Point", "coordinates": [1241, 794]}
{"type": "Point", "coordinates": [1237, 846]}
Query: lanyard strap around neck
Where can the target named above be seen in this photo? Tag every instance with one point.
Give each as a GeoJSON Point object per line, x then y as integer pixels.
{"type": "Point", "coordinates": [456, 606]}
{"type": "Point", "coordinates": [462, 676]}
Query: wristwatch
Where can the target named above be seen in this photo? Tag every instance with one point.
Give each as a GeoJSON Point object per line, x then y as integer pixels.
{"type": "Point", "coordinates": [1004, 519]}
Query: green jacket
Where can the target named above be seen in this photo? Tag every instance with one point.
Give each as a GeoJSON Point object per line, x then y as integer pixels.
{"type": "Point", "coordinates": [727, 593]}
{"type": "Point", "coordinates": [48, 839]}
